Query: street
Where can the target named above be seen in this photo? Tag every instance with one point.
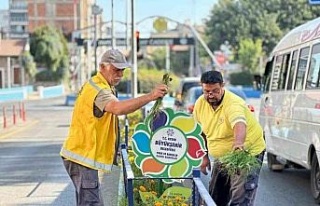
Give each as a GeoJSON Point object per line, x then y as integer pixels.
{"type": "Point", "coordinates": [31, 171]}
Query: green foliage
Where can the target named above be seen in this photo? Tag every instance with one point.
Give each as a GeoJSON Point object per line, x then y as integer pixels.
{"type": "Point", "coordinates": [49, 49]}
{"type": "Point", "coordinates": [179, 61]}
{"type": "Point", "coordinates": [249, 54]}
{"type": "Point", "coordinates": [244, 78]}
{"type": "Point", "coordinates": [29, 66]}
{"type": "Point", "coordinates": [233, 20]}
{"type": "Point", "coordinates": [133, 119]}
{"type": "Point", "coordinates": [239, 160]}
{"type": "Point", "coordinates": [156, 107]}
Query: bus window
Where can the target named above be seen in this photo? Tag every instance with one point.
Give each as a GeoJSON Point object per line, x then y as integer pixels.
{"type": "Point", "coordinates": [284, 71]}
{"type": "Point", "coordinates": [292, 69]}
{"type": "Point", "coordinates": [276, 73]}
{"type": "Point", "coordinates": [301, 69]}
{"type": "Point", "coordinates": [267, 76]}
{"type": "Point", "coordinates": [280, 72]}
{"type": "Point", "coordinates": [313, 75]}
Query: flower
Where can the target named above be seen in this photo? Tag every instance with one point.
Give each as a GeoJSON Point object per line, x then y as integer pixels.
{"type": "Point", "coordinates": [142, 188]}
{"type": "Point", "coordinates": [168, 145]}
{"type": "Point", "coordinates": [158, 204]}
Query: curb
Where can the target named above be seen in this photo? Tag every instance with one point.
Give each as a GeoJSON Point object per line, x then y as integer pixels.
{"type": "Point", "coordinates": [120, 186]}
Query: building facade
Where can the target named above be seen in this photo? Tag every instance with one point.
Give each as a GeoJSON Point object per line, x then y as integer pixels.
{"type": "Point", "coordinates": [66, 15]}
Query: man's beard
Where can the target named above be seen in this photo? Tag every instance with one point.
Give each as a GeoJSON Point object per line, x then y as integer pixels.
{"type": "Point", "coordinates": [216, 102]}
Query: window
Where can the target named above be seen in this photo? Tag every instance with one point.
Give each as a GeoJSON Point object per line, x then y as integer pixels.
{"type": "Point", "coordinates": [301, 69]}
{"type": "Point", "coordinates": [292, 69]}
{"type": "Point", "coordinates": [280, 72]}
{"type": "Point", "coordinates": [284, 71]}
{"type": "Point", "coordinates": [314, 67]}
{"type": "Point", "coordinates": [266, 80]}
{"type": "Point", "coordinates": [276, 73]}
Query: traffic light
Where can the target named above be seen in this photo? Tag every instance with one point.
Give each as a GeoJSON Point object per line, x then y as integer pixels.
{"type": "Point", "coordinates": [138, 40]}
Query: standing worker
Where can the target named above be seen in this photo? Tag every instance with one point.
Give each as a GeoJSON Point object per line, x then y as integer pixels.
{"type": "Point", "coordinates": [90, 145]}
{"type": "Point", "coordinates": [227, 125]}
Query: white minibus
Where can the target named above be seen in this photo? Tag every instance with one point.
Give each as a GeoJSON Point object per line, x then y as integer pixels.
{"type": "Point", "coordinates": [290, 104]}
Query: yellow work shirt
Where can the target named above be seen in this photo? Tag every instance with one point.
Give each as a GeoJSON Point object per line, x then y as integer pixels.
{"type": "Point", "coordinates": [218, 125]}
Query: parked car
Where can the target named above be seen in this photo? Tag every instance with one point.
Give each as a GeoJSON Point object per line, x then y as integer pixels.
{"type": "Point", "coordinates": [185, 84]}
{"type": "Point", "coordinates": [195, 92]}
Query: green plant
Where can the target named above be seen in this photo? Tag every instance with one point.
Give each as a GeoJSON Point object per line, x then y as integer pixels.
{"type": "Point", "coordinates": [156, 107]}
{"type": "Point", "coordinates": [133, 119]}
{"type": "Point", "coordinates": [239, 160]}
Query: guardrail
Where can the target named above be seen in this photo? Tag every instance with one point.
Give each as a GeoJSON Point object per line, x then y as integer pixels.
{"type": "Point", "coordinates": [15, 93]}
{"type": "Point", "coordinates": [22, 93]}
{"type": "Point", "coordinates": [200, 195]}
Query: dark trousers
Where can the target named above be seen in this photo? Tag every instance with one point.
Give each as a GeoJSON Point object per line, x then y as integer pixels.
{"type": "Point", "coordinates": [86, 183]}
{"type": "Point", "coordinates": [234, 190]}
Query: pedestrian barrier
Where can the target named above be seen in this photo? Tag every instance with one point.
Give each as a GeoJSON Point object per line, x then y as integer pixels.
{"type": "Point", "coordinates": [12, 114]}
{"type": "Point", "coordinates": [48, 92]}
{"type": "Point", "coordinates": [200, 195]}
{"type": "Point", "coordinates": [15, 93]}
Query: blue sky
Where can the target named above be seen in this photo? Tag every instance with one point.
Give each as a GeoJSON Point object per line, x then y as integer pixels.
{"type": "Point", "coordinates": [179, 10]}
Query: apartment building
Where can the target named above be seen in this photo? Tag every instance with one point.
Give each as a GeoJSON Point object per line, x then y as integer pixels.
{"type": "Point", "coordinates": [67, 15]}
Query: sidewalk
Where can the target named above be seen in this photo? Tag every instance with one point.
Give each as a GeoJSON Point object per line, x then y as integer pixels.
{"type": "Point", "coordinates": [110, 186]}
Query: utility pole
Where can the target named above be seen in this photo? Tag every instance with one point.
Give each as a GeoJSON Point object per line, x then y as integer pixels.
{"type": "Point", "coordinates": [96, 10]}
{"type": "Point", "coordinates": [128, 25]}
{"type": "Point", "coordinates": [112, 25]}
{"type": "Point", "coordinates": [134, 70]}
{"type": "Point", "coordinates": [167, 57]}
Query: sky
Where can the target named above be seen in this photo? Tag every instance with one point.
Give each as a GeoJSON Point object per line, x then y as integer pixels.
{"type": "Point", "coordinates": [178, 10]}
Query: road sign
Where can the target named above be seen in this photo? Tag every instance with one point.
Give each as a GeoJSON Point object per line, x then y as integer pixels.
{"type": "Point", "coordinates": [314, 2]}
{"type": "Point", "coordinates": [143, 41]}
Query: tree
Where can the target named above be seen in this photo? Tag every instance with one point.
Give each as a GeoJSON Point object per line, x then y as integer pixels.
{"type": "Point", "coordinates": [49, 49]}
{"type": "Point", "coordinates": [29, 65]}
{"type": "Point", "coordinates": [179, 61]}
{"type": "Point", "coordinates": [249, 54]}
{"type": "Point", "coordinates": [233, 20]}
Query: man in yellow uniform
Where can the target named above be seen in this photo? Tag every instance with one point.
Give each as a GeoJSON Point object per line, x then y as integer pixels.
{"type": "Point", "coordinates": [90, 145]}
{"type": "Point", "coordinates": [228, 124]}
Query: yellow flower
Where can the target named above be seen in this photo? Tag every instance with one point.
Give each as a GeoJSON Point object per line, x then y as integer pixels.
{"type": "Point", "coordinates": [157, 204]}
{"type": "Point", "coordinates": [135, 190]}
{"type": "Point", "coordinates": [178, 198]}
{"type": "Point", "coordinates": [184, 204]}
{"type": "Point", "coordinates": [131, 159]}
{"type": "Point", "coordinates": [142, 188]}
{"type": "Point", "coordinates": [170, 204]}
{"type": "Point", "coordinates": [153, 192]}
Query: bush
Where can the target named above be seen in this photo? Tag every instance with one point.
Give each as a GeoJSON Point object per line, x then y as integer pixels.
{"type": "Point", "coordinates": [147, 79]}
{"type": "Point", "coordinates": [244, 78]}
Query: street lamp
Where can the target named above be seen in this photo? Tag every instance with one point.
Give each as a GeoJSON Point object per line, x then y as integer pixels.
{"type": "Point", "coordinates": [96, 10]}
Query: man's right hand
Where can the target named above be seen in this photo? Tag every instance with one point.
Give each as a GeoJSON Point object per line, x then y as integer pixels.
{"type": "Point", "coordinates": [205, 164]}
{"type": "Point", "coordinates": [159, 91]}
